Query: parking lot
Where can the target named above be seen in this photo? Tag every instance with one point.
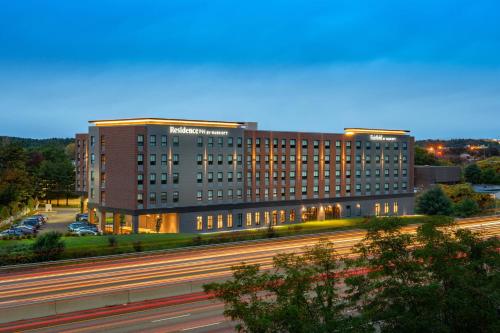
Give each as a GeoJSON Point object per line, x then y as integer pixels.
{"type": "Point", "coordinates": [59, 219]}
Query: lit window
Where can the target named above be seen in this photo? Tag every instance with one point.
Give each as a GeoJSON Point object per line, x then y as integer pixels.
{"type": "Point", "coordinates": [229, 220]}
{"type": "Point", "coordinates": [199, 222]}
{"type": "Point", "coordinates": [249, 219]}
{"type": "Point", "coordinates": [257, 218]}
{"type": "Point", "coordinates": [210, 222]}
{"type": "Point", "coordinates": [220, 223]}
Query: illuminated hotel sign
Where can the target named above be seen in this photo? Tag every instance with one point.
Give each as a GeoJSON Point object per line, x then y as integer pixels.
{"type": "Point", "coordinates": [379, 137]}
{"type": "Point", "coordinates": [196, 131]}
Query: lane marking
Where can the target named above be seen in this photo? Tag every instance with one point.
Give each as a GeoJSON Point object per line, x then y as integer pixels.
{"type": "Point", "coordinates": [207, 325]}
{"type": "Point", "coordinates": [170, 318]}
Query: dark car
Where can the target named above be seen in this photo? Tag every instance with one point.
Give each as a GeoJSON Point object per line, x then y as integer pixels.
{"type": "Point", "coordinates": [76, 225]}
{"type": "Point", "coordinates": [44, 218]}
{"type": "Point", "coordinates": [32, 223]}
{"type": "Point", "coordinates": [82, 217]}
{"type": "Point", "coordinates": [25, 229]}
{"type": "Point", "coordinates": [11, 232]}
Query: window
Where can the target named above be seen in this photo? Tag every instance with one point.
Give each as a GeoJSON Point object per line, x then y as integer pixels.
{"type": "Point", "coordinates": [377, 209]}
{"type": "Point", "coordinates": [140, 179]}
{"type": "Point", "coordinates": [152, 197]}
{"type": "Point", "coordinates": [386, 186]}
{"type": "Point", "coordinates": [152, 159]}
{"type": "Point", "coordinates": [220, 177]}
{"type": "Point", "coordinates": [229, 220]}
{"type": "Point", "coordinates": [316, 174]}
{"type": "Point", "coordinates": [316, 144]}
{"type": "Point", "coordinates": [199, 222]}
{"type": "Point", "coordinates": [140, 140]}
{"type": "Point", "coordinates": [163, 140]}
{"type": "Point", "coordinates": [395, 186]}
{"type": "Point", "coordinates": [230, 176]}
{"type": "Point", "coordinates": [210, 177]}
{"type": "Point", "coordinates": [396, 146]}
{"type": "Point", "coordinates": [92, 141]}
{"type": "Point", "coordinates": [140, 199]}
{"type": "Point", "coordinates": [304, 159]}
{"type": "Point", "coordinates": [358, 187]}
{"type": "Point", "coordinates": [210, 222]}
{"type": "Point", "coordinates": [210, 142]}
{"type": "Point", "coordinates": [304, 144]}
{"type": "Point", "coordinates": [266, 142]}
{"type": "Point", "coordinates": [163, 197]}
{"type": "Point", "coordinates": [175, 196]}
{"type": "Point", "coordinates": [199, 177]}
{"type": "Point", "coordinates": [92, 158]}
{"type": "Point", "coordinates": [327, 188]}
{"type": "Point", "coordinates": [199, 195]}
{"type": "Point", "coordinates": [199, 159]}
{"type": "Point", "coordinates": [164, 159]}
{"type": "Point", "coordinates": [304, 190]}
{"type": "Point", "coordinates": [140, 159]}
{"type": "Point", "coordinates": [230, 142]}
{"type": "Point", "coordinates": [239, 176]}
{"type": "Point", "coordinates": [257, 218]}
{"type": "Point", "coordinates": [368, 145]}
{"type": "Point", "coordinates": [230, 193]}
{"type": "Point", "coordinates": [327, 159]}
{"type": "Point", "coordinates": [210, 195]}
{"type": "Point", "coordinates": [239, 159]}
{"type": "Point", "coordinates": [377, 145]}
{"type": "Point", "coordinates": [152, 178]}
{"type": "Point", "coordinates": [348, 144]}
{"type": "Point", "coordinates": [292, 143]}
{"type": "Point", "coordinates": [292, 215]}
{"type": "Point", "coordinates": [220, 195]}
{"type": "Point", "coordinates": [175, 141]}
{"type": "Point", "coordinates": [304, 174]}
{"type": "Point", "coordinates": [404, 145]}
{"type": "Point", "coordinates": [229, 159]}
{"type": "Point", "coordinates": [199, 141]}
{"type": "Point", "coordinates": [367, 187]}
{"type": "Point", "coordinates": [220, 143]}
{"type": "Point", "coordinates": [282, 216]}
{"type": "Point", "coordinates": [152, 140]}
{"type": "Point", "coordinates": [283, 143]}
{"type": "Point", "coordinates": [405, 159]}
{"type": "Point", "coordinates": [239, 193]}
{"type": "Point", "coordinates": [404, 172]}
{"type": "Point", "coordinates": [210, 159]}
{"type": "Point", "coordinates": [386, 208]}
{"type": "Point", "coordinates": [358, 144]}
{"type": "Point", "coordinates": [395, 207]}
{"type": "Point", "coordinates": [220, 159]}
{"type": "Point", "coordinates": [163, 178]}
{"type": "Point", "coordinates": [275, 143]}
{"type": "Point", "coordinates": [175, 159]}
{"type": "Point", "coordinates": [266, 217]}
{"type": "Point", "coordinates": [175, 178]}
{"type": "Point", "coordinates": [239, 142]}
{"type": "Point", "coordinates": [249, 219]}
{"type": "Point", "coordinates": [220, 223]}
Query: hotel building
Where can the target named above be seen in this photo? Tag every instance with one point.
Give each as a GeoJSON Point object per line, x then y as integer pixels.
{"type": "Point", "coordinates": [172, 175]}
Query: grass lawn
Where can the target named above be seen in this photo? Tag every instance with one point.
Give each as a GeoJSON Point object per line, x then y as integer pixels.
{"type": "Point", "coordinates": [77, 247]}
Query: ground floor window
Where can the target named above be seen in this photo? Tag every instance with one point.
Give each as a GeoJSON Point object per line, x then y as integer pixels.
{"type": "Point", "coordinates": [386, 208]}
{"type": "Point", "coordinates": [282, 216]}
{"type": "Point", "coordinates": [240, 220]}
{"type": "Point", "coordinates": [220, 224]}
{"type": "Point", "coordinates": [229, 220]}
{"type": "Point", "coordinates": [377, 209]}
{"type": "Point", "coordinates": [266, 217]}
{"type": "Point", "coordinates": [210, 222]}
{"type": "Point", "coordinates": [199, 222]}
{"type": "Point", "coordinates": [396, 208]}
{"type": "Point", "coordinates": [249, 219]}
{"type": "Point", "coordinates": [275, 217]}
{"type": "Point", "coordinates": [292, 215]}
{"type": "Point", "coordinates": [257, 218]}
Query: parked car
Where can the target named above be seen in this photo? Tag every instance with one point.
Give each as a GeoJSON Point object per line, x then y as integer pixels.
{"type": "Point", "coordinates": [76, 225]}
{"type": "Point", "coordinates": [82, 217]}
{"type": "Point", "coordinates": [31, 222]}
{"type": "Point", "coordinates": [87, 231]}
{"type": "Point", "coordinates": [11, 232]}
{"type": "Point", "coordinates": [44, 218]}
{"type": "Point", "coordinates": [26, 229]}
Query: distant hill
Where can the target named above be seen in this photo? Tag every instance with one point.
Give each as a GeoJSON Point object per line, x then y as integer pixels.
{"type": "Point", "coordinates": [458, 143]}
{"type": "Point", "coordinates": [37, 143]}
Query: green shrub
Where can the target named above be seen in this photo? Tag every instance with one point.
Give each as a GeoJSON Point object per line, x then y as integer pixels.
{"type": "Point", "coordinates": [137, 246]}
{"type": "Point", "coordinates": [112, 241]}
{"type": "Point", "coordinates": [48, 246]}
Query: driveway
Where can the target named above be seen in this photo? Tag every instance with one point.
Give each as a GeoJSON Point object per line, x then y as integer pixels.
{"type": "Point", "coordinates": [59, 219]}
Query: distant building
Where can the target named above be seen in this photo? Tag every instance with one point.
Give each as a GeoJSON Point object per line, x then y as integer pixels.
{"type": "Point", "coordinates": [426, 175]}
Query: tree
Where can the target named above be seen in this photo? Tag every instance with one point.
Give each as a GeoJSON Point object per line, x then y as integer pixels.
{"type": "Point", "coordinates": [466, 207]}
{"type": "Point", "coordinates": [434, 202]}
{"type": "Point", "coordinates": [488, 176]}
{"type": "Point", "coordinates": [448, 283]}
{"type": "Point", "coordinates": [48, 246]}
{"type": "Point", "coordinates": [422, 157]}
{"type": "Point", "coordinates": [473, 174]}
{"type": "Point", "coordinates": [300, 294]}
{"type": "Point", "coordinates": [15, 182]}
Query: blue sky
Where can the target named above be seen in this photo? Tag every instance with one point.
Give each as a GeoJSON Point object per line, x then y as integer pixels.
{"type": "Point", "coordinates": [429, 66]}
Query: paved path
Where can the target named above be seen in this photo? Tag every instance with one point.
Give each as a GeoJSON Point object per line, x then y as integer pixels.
{"type": "Point", "coordinates": [59, 219]}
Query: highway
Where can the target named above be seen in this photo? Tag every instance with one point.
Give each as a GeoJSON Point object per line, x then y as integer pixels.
{"type": "Point", "coordinates": [209, 263]}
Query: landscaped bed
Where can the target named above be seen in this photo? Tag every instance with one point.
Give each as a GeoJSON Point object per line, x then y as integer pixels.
{"type": "Point", "coordinates": [85, 246]}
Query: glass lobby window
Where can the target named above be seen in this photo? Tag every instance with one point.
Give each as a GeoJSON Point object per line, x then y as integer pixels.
{"type": "Point", "coordinates": [257, 218]}
{"type": "Point", "coordinates": [395, 208]}
{"type": "Point", "coordinates": [249, 219]}
{"type": "Point", "coordinates": [229, 220]}
{"type": "Point", "coordinates": [199, 222]}
{"type": "Point", "coordinates": [220, 224]}
{"type": "Point", "coordinates": [377, 209]}
{"type": "Point", "coordinates": [210, 222]}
